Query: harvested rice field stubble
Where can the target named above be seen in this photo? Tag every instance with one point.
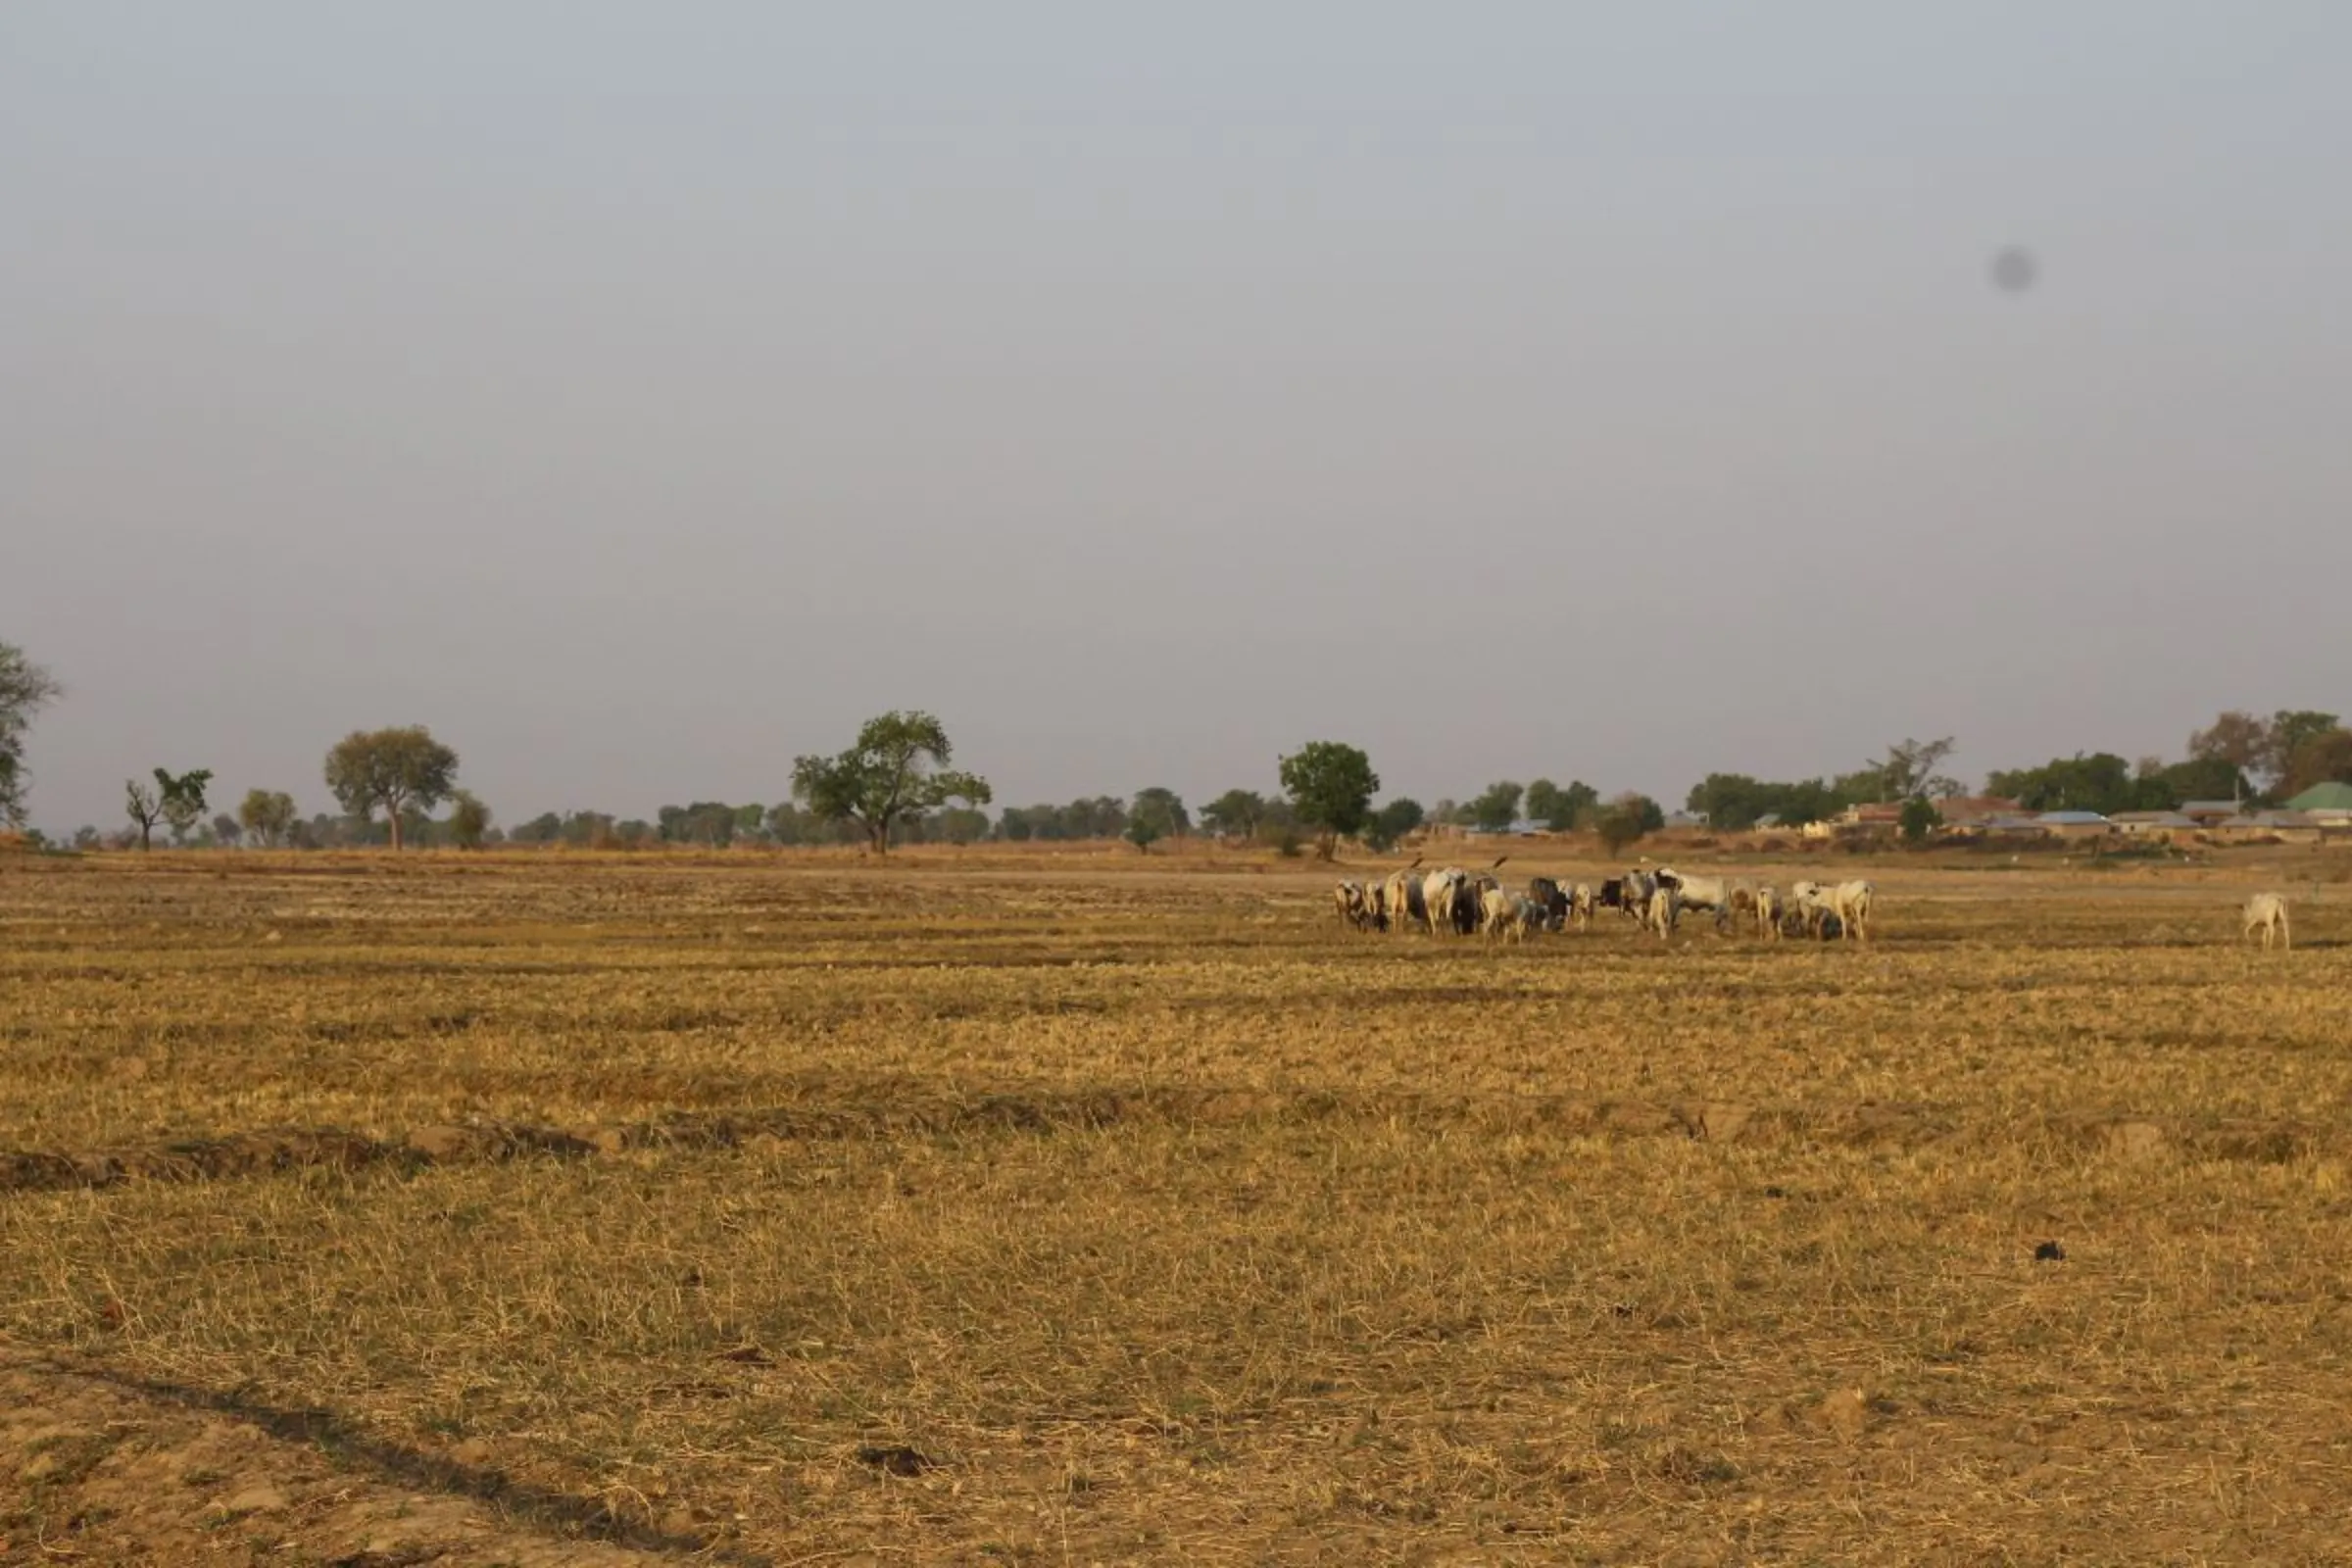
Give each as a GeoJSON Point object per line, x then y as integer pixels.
{"type": "Point", "coordinates": [1083, 1210]}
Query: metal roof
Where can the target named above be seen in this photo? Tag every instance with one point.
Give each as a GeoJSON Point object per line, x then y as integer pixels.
{"type": "Point", "coordinates": [2328, 797]}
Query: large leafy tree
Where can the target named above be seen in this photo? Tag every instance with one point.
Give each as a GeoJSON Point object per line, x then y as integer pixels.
{"type": "Point", "coordinates": [1625, 819]}
{"type": "Point", "coordinates": [182, 800]}
{"type": "Point", "coordinates": [1392, 822]}
{"type": "Point", "coordinates": [2292, 734]}
{"type": "Point", "coordinates": [469, 821]}
{"type": "Point", "coordinates": [2098, 782]}
{"type": "Point", "coordinates": [2240, 739]}
{"type": "Point", "coordinates": [267, 817]}
{"type": "Point", "coordinates": [2322, 759]}
{"type": "Point", "coordinates": [25, 688]}
{"type": "Point", "coordinates": [1497, 808]}
{"type": "Point", "coordinates": [1234, 814]}
{"type": "Point", "coordinates": [897, 769]}
{"type": "Point", "coordinates": [1163, 809]}
{"type": "Point", "coordinates": [1559, 809]}
{"type": "Point", "coordinates": [393, 771]}
{"type": "Point", "coordinates": [1331, 785]}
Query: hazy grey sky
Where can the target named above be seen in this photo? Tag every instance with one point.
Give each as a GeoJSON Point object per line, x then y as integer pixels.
{"type": "Point", "coordinates": [640, 395]}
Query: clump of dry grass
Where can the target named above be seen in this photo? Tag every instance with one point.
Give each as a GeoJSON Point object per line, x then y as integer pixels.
{"type": "Point", "coordinates": [1272, 1241]}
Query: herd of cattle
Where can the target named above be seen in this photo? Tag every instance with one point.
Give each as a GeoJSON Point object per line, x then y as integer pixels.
{"type": "Point", "coordinates": [1473, 903]}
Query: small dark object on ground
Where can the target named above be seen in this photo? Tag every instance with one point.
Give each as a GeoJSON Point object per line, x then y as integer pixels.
{"type": "Point", "coordinates": [898, 1461]}
{"type": "Point", "coordinates": [2049, 1252]}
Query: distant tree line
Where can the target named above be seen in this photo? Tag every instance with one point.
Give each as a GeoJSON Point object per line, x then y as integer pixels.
{"type": "Point", "coordinates": [895, 786]}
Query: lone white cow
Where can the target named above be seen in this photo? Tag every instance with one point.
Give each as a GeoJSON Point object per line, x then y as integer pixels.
{"type": "Point", "coordinates": [1849, 902]}
{"type": "Point", "coordinates": [2266, 912]}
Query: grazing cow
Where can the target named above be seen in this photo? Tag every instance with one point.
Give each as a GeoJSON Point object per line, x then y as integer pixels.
{"type": "Point", "coordinates": [1768, 913]}
{"type": "Point", "coordinates": [1665, 910]}
{"type": "Point", "coordinates": [1710, 894]}
{"type": "Point", "coordinates": [1354, 910]}
{"type": "Point", "coordinates": [1849, 902]}
{"type": "Point", "coordinates": [1744, 903]}
{"type": "Point", "coordinates": [2266, 912]}
{"type": "Point", "coordinates": [1611, 894]}
{"type": "Point", "coordinates": [1640, 889]}
{"type": "Point", "coordinates": [1581, 904]}
{"type": "Point", "coordinates": [1528, 915]}
{"type": "Point", "coordinates": [1401, 897]}
{"type": "Point", "coordinates": [1449, 902]}
{"type": "Point", "coordinates": [1553, 898]}
{"type": "Point", "coordinates": [1811, 903]}
{"type": "Point", "coordinates": [1494, 908]}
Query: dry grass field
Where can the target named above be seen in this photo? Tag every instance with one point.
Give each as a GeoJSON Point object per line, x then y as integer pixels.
{"type": "Point", "coordinates": [1043, 1210]}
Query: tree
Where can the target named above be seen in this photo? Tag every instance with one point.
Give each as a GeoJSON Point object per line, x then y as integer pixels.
{"type": "Point", "coordinates": [469, 821]}
{"type": "Point", "coordinates": [1331, 786]}
{"type": "Point", "coordinates": [1625, 819]}
{"type": "Point", "coordinates": [1234, 814]}
{"type": "Point", "coordinates": [1730, 802]}
{"type": "Point", "coordinates": [961, 824]}
{"type": "Point", "coordinates": [25, 688]}
{"type": "Point", "coordinates": [2099, 782]}
{"type": "Point", "coordinates": [1497, 808]}
{"type": "Point", "coordinates": [2238, 738]}
{"type": "Point", "coordinates": [228, 830]}
{"type": "Point", "coordinates": [1920, 820]}
{"type": "Point", "coordinates": [2290, 730]}
{"type": "Point", "coordinates": [1143, 832]}
{"type": "Point", "coordinates": [1165, 809]}
{"type": "Point", "coordinates": [1392, 822]}
{"type": "Point", "coordinates": [146, 808]}
{"type": "Point", "coordinates": [2322, 759]}
{"type": "Point", "coordinates": [267, 817]}
{"type": "Point", "coordinates": [545, 828]}
{"type": "Point", "coordinates": [899, 767]}
{"type": "Point", "coordinates": [391, 771]}
{"type": "Point", "coordinates": [1557, 808]}
{"type": "Point", "coordinates": [181, 800]}
{"type": "Point", "coordinates": [709, 824]}
{"type": "Point", "coordinates": [2165, 787]}
{"type": "Point", "coordinates": [1909, 768]}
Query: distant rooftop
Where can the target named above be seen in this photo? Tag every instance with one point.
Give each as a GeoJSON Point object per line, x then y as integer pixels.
{"type": "Point", "coordinates": [2329, 797]}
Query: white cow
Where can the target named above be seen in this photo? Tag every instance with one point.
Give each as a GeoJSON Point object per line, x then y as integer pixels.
{"type": "Point", "coordinates": [2266, 913]}
{"type": "Point", "coordinates": [1582, 905]}
{"type": "Point", "coordinates": [1494, 908]}
{"type": "Point", "coordinates": [1768, 913]}
{"type": "Point", "coordinates": [1710, 894]}
{"type": "Point", "coordinates": [1401, 895]}
{"type": "Point", "coordinates": [1811, 902]}
{"type": "Point", "coordinates": [1849, 902]}
{"type": "Point", "coordinates": [1438, 893]}
{"type": "Point", "coordinates": [1665, 908]}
